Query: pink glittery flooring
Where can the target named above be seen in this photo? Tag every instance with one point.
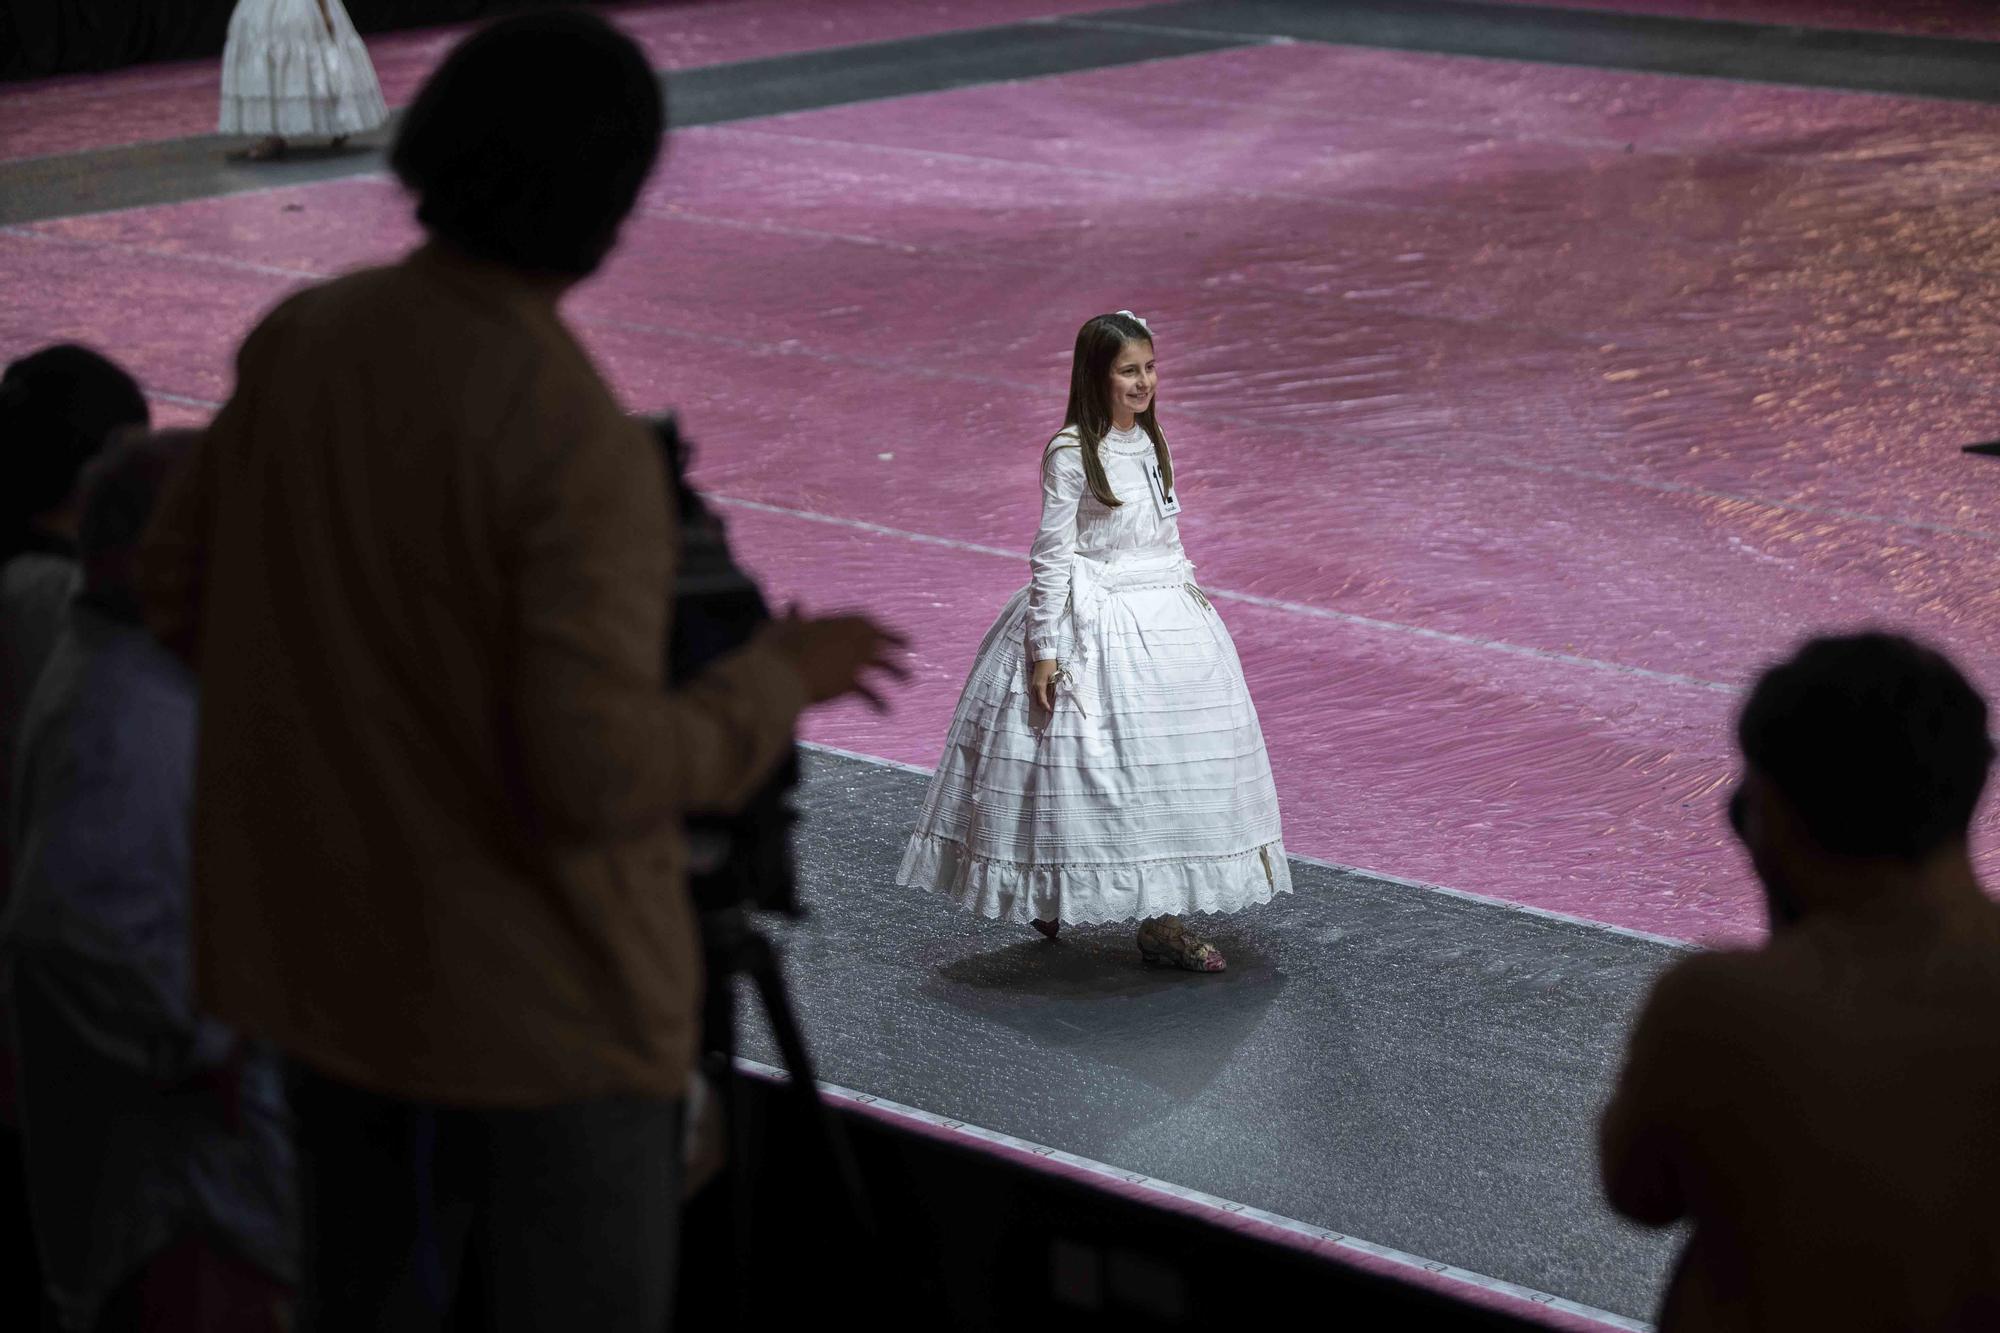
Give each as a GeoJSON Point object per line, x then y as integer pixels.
{"type": "Point", "coordinates": [173, 100]}
{"type": "Point", "coordinates": [1524, 411]}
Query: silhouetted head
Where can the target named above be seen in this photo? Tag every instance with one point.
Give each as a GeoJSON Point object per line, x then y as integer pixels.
{"type": "Point", "coordinates": [58, 407]}
{"type": "Point", "coordinates": [529, 145]}
{"type": "Point", "coordinates": [1860, 748]}
{"type": "Point", "coordinates": [120, 491]}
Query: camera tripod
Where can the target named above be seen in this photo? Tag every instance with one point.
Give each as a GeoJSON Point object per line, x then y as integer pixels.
{"type": "Point", "coordinates": [734, 947]}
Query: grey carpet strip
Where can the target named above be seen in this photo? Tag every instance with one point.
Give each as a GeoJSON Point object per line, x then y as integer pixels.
{"type": "Point", "coordinates": [1405, 1066]}
{"type": "Point", "coordinates": [1748, 52]}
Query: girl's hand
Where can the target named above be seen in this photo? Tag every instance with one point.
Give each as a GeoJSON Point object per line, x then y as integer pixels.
{"type": "Point", "coordinates": [1043, 688]}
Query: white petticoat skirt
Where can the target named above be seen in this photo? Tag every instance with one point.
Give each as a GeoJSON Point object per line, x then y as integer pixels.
{"type": "Point", "coordinates": [284, 72]}
{"type": "Point", "coordinates": [1146, 792]}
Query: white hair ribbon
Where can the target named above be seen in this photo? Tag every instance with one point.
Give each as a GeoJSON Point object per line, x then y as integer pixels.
{"type": "Point", "coordinates": [1136, 320]}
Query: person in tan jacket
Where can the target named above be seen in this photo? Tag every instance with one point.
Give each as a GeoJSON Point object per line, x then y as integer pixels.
{"type": "Point", "coordinates": [422, 563]}
{"type": "Point", "coordinates": [1825, 1110]}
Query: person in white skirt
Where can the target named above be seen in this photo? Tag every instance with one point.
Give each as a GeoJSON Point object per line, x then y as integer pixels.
{"type": "Point", "coordinates": [1105, 762]}
{"type": "Point", "coordinates": [296, 69]}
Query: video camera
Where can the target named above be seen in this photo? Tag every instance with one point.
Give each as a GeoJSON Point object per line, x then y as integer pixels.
{"type": "Point", "coordinates": [744, 859]}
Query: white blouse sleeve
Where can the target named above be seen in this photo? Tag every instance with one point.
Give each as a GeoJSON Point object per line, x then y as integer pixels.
{"type": "Point", "coordinates": [1055, 546]}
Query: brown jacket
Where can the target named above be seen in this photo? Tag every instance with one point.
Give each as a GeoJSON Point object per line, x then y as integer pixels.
{"type": "Point", "coordinates": [422, 562]}
{"type": "Point", "coordinates": [1825, 1112]}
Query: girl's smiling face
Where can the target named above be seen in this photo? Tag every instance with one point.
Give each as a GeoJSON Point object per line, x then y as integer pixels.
{"type": "Point", "coordinates": [1133, 380]}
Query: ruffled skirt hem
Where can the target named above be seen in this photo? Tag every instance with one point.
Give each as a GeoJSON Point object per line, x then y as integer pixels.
{"type": "Point", "coordinates": [1087, 894]}
{"type": "Point", "coordinates": [285, 72]}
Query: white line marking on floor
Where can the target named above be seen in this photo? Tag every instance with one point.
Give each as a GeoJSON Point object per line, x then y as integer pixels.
{"type": "Point", "coordinates": [1253, 599]}
{"type": "Point", "coordinates": [1249, 599]}
{"type": "Point", "coordinates": [181, 400]}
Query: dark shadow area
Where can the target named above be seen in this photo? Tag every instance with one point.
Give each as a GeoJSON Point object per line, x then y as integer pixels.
{"type": "Point", "coordinates": [974, 1240]}
{"type": "Point", "coordinates": [1092, 997]}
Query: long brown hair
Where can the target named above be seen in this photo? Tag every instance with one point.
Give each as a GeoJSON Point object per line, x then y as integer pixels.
{"type": "Point", "coordinates": [1098, 344]}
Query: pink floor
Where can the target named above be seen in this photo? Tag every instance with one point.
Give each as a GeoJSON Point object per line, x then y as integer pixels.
{"type": "Point", "coordinates": [1523, 411]}
{"type": "Point", "coordinates": [168, 101]}
{"type": "Point", "coordinates": [171, 101]}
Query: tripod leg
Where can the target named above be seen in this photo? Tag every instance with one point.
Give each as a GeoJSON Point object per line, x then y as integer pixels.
{"type": "Point", "coordinates": [764, 969]}
{"type": "Point", "coordinates": [720, 1020]}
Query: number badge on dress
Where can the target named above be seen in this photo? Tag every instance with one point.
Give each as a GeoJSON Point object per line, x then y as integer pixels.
{"type": "Point", "coordinates": [1164, 500]}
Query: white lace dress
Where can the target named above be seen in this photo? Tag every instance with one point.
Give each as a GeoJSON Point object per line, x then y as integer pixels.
{"type": "Point", "coordinates": [1147, 791]}
{"type": "Point", "coordinates": [297, 68]}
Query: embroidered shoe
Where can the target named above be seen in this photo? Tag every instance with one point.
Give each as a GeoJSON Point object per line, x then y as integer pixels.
{"type": "Point", "coordinates": [1165, 942]}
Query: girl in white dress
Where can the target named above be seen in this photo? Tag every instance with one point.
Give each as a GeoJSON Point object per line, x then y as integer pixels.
{"type": "Point", "coordinates": [1105, 762]}
{"type": "Point", "coordinates": [296, 68]}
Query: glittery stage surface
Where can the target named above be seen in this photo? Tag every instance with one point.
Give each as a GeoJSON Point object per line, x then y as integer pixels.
{"type": "Point", "coordinates": [71, 113]}
{"type": "Point", "coordinates": [1522, 413]}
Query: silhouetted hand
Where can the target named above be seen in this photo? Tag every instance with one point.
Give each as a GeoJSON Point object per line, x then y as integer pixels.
{"type": "Point", "coordinates": [223, 1082]}
{"type": "Point", "coordinates": [833, 654]}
